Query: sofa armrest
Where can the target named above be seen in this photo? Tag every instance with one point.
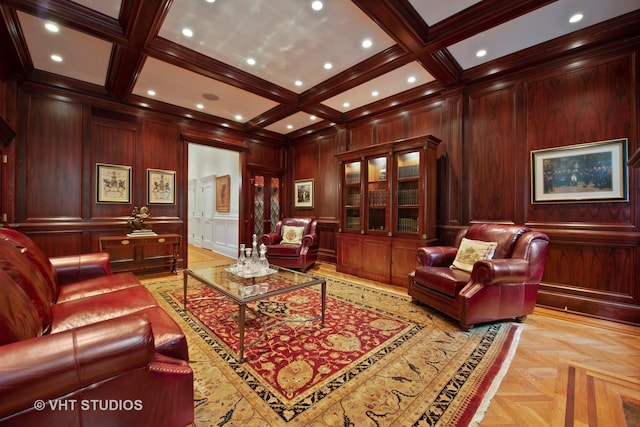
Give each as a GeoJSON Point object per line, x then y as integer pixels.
{"type": "Point", "coordinates": [436, 256]}
{"type": "Point", "coordinates": [54, 365]}
{"type": "Point", "coordinates": [496, 271]}
{"type": "Point", "coordinates": [270, 239]}
{"type": "Point", "coordinates": [74, 268]}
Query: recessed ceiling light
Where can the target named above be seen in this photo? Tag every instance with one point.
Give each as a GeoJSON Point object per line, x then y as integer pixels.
{"type": "Point", "coordinates": [211, 1]}
{"type": "Point", "coordinates": [312, 117]}
{"type": "Point", "coordinates": [411, 79]}
{"type": "Point", "coordinates": [52, 27]}
{"type": "Point", "coordinates": [316, 5]}
{"type": "Point", "coordinates": [375, 93]}
{"type": "Point", "coordinates": [298, 83]}
{"type": "Point", "coordinates": [481, 53]}
{"type": "Point", "coordinates": [210, 96]}
{"type": "Point", "coordinates": [576, 18]}
{"type": "Point", "coordinates": [251, 61]}
{"type": "Point", "coordinates": [238, 117]}
{"type": "Point", "coordinates": [346, 104]}
{"type": "Point", "coordinates": [328, 66]}
{"type": "Point", "coordinates": [289, 126]}
{"type": "Point", "coordinates": [367, 43]}
{"type": "Point", "coordinates": [187, 32]}
{"type": "Point", "coordinates": [199, 106]}
{"type": "Point", "coordinates": [151, 92]}
{"type": "Point", "coordinates": [56, 58]}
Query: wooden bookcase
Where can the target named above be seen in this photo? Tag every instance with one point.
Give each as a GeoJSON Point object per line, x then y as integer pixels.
{"type": "Point", "coordinates": [388, 208]}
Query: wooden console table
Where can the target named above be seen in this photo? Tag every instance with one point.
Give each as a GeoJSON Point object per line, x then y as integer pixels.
{"type": "Point", "coordinates": [141, 253]}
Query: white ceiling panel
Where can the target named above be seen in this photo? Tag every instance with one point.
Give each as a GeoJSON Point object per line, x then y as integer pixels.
{"type": "Point", "coordinates": [82, 57]}
{"type": "Point", "coordinates": [188, 89]}
{"type": "Point", "coordinates": [541, 25]}
{"type": "Point", "coordinates": [387, 85]}
{"type": "Point", "coordinates": [288, 40]}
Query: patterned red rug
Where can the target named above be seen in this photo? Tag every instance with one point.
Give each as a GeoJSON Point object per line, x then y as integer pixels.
{"type": "Point", "coordinates": [379, 360]}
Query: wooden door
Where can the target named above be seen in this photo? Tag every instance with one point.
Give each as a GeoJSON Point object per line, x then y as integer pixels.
{"type": "Point", "coordinates": [265, 202]}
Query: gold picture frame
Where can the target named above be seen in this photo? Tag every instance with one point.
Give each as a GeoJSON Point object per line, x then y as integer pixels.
{"type": "Point", "coordinates": [303, 193]}
{"type": "Point", "coordinates": [113, 183]}
{"type": "Point", "coordinates": [591, 172]}
{"type": "Point", "coordinates": [223, 193]}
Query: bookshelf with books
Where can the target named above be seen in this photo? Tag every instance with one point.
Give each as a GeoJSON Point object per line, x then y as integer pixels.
{"type": "Point", "coordinates": [388, 208]}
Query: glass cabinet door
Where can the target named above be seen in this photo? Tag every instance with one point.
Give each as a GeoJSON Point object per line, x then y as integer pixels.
{"type": "Point", "coordinates": [352, 196]}
{"type": "Point", "coordinates": [408, 193]}
{"type": "Point", "coordinates": [377, 194]}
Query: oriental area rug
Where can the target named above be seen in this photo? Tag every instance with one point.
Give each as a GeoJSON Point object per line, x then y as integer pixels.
{"type": "Point", "coordinates": [380, 360]}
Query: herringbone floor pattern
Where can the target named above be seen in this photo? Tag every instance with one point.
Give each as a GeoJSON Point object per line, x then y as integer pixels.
{"type": "Point", "coordinates": [603, 357]}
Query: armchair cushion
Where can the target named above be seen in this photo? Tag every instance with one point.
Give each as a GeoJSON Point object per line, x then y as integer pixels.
{"type": "Point", "coordinates": [292, 235]}
{"type": "Point", "coordinates": [471, 251]}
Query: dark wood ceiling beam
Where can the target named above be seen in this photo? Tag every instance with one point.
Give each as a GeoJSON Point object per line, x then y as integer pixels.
{"type": "Point", "coordinates": [379, 64]}
{"type": "Point", "coordinates": [15, 56]}
{"type": "Point", "coordinates": [172, 53]}
{"type": "Point", "coordinates": [141, 20]}
{"type": "Point", "coordinates": [275, 114]}
{"type": "Point", "coordinates": [476, 19]}
{"type": "Point", "coordinates": [399, 20]}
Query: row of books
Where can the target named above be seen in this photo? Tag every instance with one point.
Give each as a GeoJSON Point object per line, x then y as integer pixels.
{"type": "Point", "coordinates": [352, 222]}
{"type": "Point", "coordinates": [411, 171]}
{"type": "Point", "coordinates": [378, 198]}
{"type": "Point", "coordinates": [353, 199]}
{"type": "Point", "coordinates": [407, 225]}
{"type": "Point", "coordinates": [352, 178]}
{"type": "Point", "coordinates": [408, 196]}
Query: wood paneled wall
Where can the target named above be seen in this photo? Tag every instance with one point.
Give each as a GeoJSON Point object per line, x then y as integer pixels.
{"type": "Point", "coordinates": [488, 131]}
{"type": "Point", "coordinates": [51, 170]}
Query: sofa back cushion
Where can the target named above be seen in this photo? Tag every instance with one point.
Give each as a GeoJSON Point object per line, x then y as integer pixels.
{"type": "Point", "coordinates": [505, 235]}
{"type": "Point", "coordinates": [15, 263]}
{"type": "Point", "coordinates": [19, 319]}
{"type": "Point", "coordinates": [39, 259]}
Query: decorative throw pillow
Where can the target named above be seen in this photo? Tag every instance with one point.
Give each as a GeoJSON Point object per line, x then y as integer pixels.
{"type": "Point", "coordinates": [292, 235]}
{"type": "Point", "coordinates": [471, 251]}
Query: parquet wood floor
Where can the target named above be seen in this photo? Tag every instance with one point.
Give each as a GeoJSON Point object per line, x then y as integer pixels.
{"type": "Point", "coordinates": [593, 365]}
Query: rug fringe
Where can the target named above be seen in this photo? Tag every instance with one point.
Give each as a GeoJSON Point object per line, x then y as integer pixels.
{"type": "Point", "coordinates": [497, 380]}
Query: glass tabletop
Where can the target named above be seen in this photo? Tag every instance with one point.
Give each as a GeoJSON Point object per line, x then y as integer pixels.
{"type": "Point", "coordinates": [281, 280]}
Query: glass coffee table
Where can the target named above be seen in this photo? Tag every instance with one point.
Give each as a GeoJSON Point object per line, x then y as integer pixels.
{"type": "Point", "coordinates": [243, 289]}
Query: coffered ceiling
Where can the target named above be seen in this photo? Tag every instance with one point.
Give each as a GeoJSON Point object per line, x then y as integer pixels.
{"type": "Point", "coordinates": [280, 67]}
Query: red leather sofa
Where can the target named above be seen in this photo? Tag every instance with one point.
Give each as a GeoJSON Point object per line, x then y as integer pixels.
{"type": "Point", "coordinates": [505, 286]}
{"type": "Point", "coordinates": [301, 252]}
{"type": "Point", "coordinates": [82, 346]}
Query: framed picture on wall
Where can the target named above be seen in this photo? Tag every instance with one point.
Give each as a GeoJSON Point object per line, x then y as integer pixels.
{"type": "Point", "coordinates": [590, 172]}
{"type": "Point", "coordinates": [223, 193]}
{"type": "Point", "coordinates": [161, 186]}
{"type": "Point", "coordinates": [303, 193]}
{"type": "Point", "coordinates": [113, 183]}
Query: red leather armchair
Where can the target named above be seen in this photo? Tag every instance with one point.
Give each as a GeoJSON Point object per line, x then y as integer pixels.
{"type": "Point", "coordinates": [293, 244]}
{"type": "Point", "coordinates": [502, 287]}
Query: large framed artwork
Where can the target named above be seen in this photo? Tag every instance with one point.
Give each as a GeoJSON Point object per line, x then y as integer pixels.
{"type": "Point", "coordinates": [161, 186]}
{"type": "Point", "coordinates": [588, 172]}
{"type": "Point", "coordinates": [223, 187]}
{"type": "Point", "coordinates": [303, 193]}
{"type": "Point", "coordinates": [113, 183]}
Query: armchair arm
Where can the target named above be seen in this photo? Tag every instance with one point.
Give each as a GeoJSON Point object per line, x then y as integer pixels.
{"type": "Point", "coordinates": [54, 365]}
{"type": "Point", "coordinates": [310, 240]}
{"type": "Point", "coordinates": [496, 271]}
{"type": "Point", "coordinates": [74, 268]}
{"type": "Point", "coordinates": [270, 239]}
{"type": "Point", "coordinates": [436, 256]}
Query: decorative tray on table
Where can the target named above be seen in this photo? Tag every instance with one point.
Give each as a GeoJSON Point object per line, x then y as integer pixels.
{"type": "Point", "coordinates": [248, 273]}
